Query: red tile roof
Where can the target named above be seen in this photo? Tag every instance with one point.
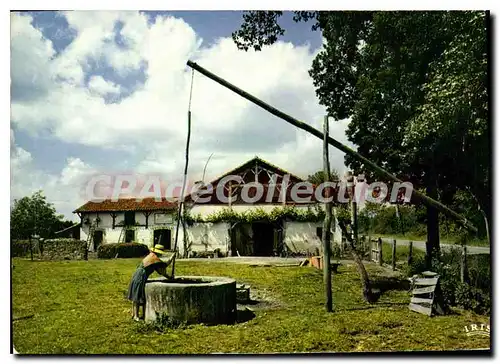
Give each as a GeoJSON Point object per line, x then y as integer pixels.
{"type": "Point", "coordinates": [128, 204]}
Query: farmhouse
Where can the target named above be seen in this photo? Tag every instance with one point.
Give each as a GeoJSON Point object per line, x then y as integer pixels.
{"type": "Point", "coordinates": [128, 220]}
{"type": "Point", "coordinates": [255, 209]}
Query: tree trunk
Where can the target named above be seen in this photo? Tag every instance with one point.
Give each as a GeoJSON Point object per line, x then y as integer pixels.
{"type": "Point", "coordinates": [327, 274]}
{"type": "Point", "coordinates": [365, 280]}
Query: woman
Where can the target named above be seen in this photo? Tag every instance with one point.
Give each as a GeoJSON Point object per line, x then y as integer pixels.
{"type": "Point", "coordinates": [149, 264]}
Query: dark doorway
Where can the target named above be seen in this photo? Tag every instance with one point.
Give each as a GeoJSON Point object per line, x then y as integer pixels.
{"type": "Point", "coordinates": [163, 237]}
{"type": "Point", "coordinates": [129, 236]}
{"type": "Point", "coordinates": [263, 238]}
{"type": "Point", "coordinates": [98, 236]}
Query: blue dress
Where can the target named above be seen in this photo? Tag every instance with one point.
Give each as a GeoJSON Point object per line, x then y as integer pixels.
{"type": "Point", "coordinates": [136, 292]}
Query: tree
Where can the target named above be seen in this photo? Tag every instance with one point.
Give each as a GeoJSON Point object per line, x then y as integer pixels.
{"type": "Point", "coordinates": [318, 178]}
{"type": "Point", "coordinates": [390, 71]}
{"type": "Point", "coordinates": [33, 215]}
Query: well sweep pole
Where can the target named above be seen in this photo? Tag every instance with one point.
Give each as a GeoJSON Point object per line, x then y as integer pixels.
{"type": "Point", "coordinates": [301, 125]}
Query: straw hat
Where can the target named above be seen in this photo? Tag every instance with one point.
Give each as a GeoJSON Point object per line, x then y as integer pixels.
{"type": "Point", "coordinates": [159, 249]}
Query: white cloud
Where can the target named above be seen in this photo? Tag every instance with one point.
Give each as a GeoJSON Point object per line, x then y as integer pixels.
{"type": "Point", "coordinates": [101, 87]}
{"type": "Point", "coordinates": [152, 120]}
{"type": "Point", "coordinates": [65, 190]}
{"type": "Point", "coordinates": [31, 66]}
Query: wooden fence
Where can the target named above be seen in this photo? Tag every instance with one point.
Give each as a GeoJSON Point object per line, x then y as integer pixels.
{"type": "Point", "coordinates": [375, 251]}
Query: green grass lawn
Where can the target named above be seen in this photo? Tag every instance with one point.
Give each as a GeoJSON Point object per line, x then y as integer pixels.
{"type": "Point", "coordinates": [79, 307]}
{"type": "Point", "coordinates": [402, 252]}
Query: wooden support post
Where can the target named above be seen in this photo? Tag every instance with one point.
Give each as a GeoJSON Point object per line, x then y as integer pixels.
{"type": "Point", "coordinates": [372, 257]}
{"type": "Point", "coordinates": [394, 254]}
{"type": "Point", "coordinates": [410, 252]}
{"type": "Point", "coordinates": [327, 274]}
{"type": "Point", "coordinates": [379, 247]}
{"type": "Point", "coordinates": [463, 265]}
{"type": "Point", "coordinates": [354, 217]}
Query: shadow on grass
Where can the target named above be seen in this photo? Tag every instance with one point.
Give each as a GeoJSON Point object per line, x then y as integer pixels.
{"type": "Point", "coordinates": [370, 307]}
{"type": "Point", "coordinates": [244, 316]}
{"type": "Point", "coordinates": [390, 284]}
{"type": "Point", "coordinates": [165, 323]}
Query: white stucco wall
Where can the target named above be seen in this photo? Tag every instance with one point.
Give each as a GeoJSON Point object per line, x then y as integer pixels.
{"type": "Point", "coordinates": [301, 236]}
{"type": "Point", "coordinates": [142, 235]}
{"type": "Point", "coordinates": [209, 236]}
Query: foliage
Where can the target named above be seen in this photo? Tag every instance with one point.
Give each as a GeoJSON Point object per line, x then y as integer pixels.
{"type": "Point", "coordinates": [35, 215]}
{"type": "Point", "coordinates": [97, 315]}
{"type": "Point", "coordinates": [20, 248]}
{"type": "Point", "coordinates": [206, 254]}
{"type": "Point", "coordinates": [411, 224]}
{"type": "Point", "coordinates": [414, 85]}
{"type": "Point", "coordinates": [318, 177]}
{"type": "Point", "coordinates": [311, 214]}
{"type": "Point", "coordinates": [122, 250]}
{"type": "Point", "coordinates": [471, 298]}
{"type": "Point", "coordinates": [417, 266]}
{"type": "Point", "coordinates": [472, 295]}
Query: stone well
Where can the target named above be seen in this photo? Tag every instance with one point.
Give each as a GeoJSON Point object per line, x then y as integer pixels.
{"type": "Point", "coordinates": [192, 299]}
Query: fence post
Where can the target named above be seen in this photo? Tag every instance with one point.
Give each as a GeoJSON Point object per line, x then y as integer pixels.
{"type": "Point", "coordinates": [380, 261]}
{"type": "Point", "coordinates": [410, 252]}
{"type": "Point", "coordinates": [463, 265]}
{"type": "Point", "coordinates": [394, 254]}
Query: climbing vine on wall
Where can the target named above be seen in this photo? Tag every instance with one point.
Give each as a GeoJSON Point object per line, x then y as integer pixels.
{"type": "Point", "coordinates": [311, 214]}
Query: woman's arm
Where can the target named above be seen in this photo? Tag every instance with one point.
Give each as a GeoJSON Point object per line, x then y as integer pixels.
{"type": "Point", "coordinates": [162, 266]}
{"type": "Point", "coordinates": [162, 269]}
{"type": "Point", "coordinates": [169, 260]}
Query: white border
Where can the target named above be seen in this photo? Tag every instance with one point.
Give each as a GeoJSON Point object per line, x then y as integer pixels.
{"type": "Point", "coordinates": [195, 5]}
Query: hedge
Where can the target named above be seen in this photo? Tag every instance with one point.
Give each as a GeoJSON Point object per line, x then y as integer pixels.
{"type": "Point", "coordinates": [20, 248]}
{"type": "Point", "coordinates": [122, 250]}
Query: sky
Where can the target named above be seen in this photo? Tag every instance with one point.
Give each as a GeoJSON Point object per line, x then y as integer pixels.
{"type": "Point", "coordinates": [107, 93]}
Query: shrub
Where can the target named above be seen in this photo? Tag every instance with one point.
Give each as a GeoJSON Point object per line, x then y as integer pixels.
{"type": "Point", "coordinates": [205, 254]}
{"type": "Point", "coordinates": [474, 295]}
{"type": "Point", "coordinates": [336, 253]}
{"type": "Point", "coordinates": [20, 248]}
{"type": "Point", "coordinates": [417, 266]}
{"type": "Point", "coordinates": [471, 298]}
{"type": "Point", "coordinates": [123, 250]}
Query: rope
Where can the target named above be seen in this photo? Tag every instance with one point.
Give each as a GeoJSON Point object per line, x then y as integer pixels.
{"type": "Point", "coordinates": [181, 203]}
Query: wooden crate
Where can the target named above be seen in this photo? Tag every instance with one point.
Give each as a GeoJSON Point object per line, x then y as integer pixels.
{"type": "Point", "coordinates": [427, 296]}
